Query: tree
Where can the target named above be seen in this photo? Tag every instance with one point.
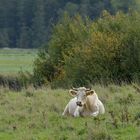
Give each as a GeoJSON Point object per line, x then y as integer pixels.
{"type": "Point", "coordinates": [4, 39]}
{"type": "Point", "coordinates": [37, 17]}
{"type": "Point", "coordinates": [39, 28]}
{"type": "Point", "coordinates": [83, 52]}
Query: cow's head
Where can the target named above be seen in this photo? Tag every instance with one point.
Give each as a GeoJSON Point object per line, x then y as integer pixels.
{"type": "Point", "coordinates": [81, 93]}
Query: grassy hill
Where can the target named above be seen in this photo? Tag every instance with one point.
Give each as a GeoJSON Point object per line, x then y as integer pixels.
{"type": "Point", "coordinates": [14, 60]}
{"type": "Point", "coordinates": [36, 115]}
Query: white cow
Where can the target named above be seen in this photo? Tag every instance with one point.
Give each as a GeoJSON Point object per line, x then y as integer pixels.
{"type": "Point", "coordinates": [85, 103]}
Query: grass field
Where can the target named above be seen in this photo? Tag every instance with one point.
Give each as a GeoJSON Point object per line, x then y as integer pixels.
{"type": "Point", "coordinates": [36, 115]}
{"type": "Point", "coordinates": [14, 60]}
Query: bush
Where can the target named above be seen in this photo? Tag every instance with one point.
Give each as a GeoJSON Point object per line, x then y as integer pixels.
{"type": "Point", "coordinates": [82, 52]}
{"type": "Point", "coordinates": [12, 83]}
{"type": "Point", "coordinates": [18, 82]}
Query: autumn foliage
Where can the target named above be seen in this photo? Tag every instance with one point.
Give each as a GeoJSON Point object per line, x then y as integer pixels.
{"type": "Point", "coordinates": [83, 52]}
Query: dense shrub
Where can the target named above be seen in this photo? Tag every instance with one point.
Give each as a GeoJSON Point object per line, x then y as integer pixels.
{"type": "Point", "coordinates": [82, 52]}
{"type": "Point", "coordinates": [18, 82]}
{"type": "Point", "coordinates": [13, 83]}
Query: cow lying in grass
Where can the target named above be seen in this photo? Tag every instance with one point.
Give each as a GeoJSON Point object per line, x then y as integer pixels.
{"type": "Point", "coordinates": [85, 103]}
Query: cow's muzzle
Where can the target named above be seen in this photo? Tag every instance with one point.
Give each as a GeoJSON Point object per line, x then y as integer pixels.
{"type": "Point", "coordinates": [79, 103]}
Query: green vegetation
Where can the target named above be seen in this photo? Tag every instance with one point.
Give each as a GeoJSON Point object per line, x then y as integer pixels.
{"type": "Point", "coordinates": [14, 60]}
{"type": "Point", "coordinates": [83, 52]}
{"type": "Point", "coordinates": [91, 43]}
{"type": "Point", "coordinates": [36, 115]}
{"type": "Point", "coordinates": [28, 23]}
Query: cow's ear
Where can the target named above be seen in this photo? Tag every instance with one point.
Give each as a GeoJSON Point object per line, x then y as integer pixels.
{"type": "Point", "coordinates": [90, 92]}
{"type": "Point", "coordinates": [72, 92]}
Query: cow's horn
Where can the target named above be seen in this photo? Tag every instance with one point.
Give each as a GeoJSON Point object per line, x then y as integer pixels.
{"type": "Point", "coordinates": [74, 88]}
{"type": "Point", "coordinates": [88, 89]}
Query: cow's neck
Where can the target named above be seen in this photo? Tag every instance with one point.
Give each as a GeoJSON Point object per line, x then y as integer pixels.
{"type": "Point", "coordinates": [88, 106]}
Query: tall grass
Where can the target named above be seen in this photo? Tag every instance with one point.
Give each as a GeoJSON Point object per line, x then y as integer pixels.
{"type": "Point", "coordinates": [36, 115]}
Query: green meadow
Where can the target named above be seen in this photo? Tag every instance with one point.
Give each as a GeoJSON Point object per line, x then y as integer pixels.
{"type": "Point", "coordinates": [14, 60]}
{"type": "Point", "coordinates": [36, 115]}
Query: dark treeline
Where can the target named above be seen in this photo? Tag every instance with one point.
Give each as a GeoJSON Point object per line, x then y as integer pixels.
{"type": "Point", "coordinates": [28, 23]}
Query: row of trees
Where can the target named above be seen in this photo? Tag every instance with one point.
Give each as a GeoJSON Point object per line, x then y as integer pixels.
{"type": "Point", "coordinates": [28, 23]}
{"type": "Point", "coordinates": [81, 51]}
